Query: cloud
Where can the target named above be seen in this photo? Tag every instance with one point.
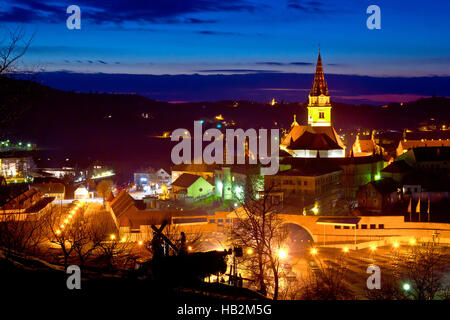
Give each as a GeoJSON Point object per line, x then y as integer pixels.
{"type": "Point", "coordinates": [237, 71]}
{"type": "Point", "coordinates": [107, 11]}
{"type": "Point", "coordinates": [307, 6]}
{"type": "Point", "coordinates": [275, 63]}
{"type": "Point", "coordinates": [301, 63]}
{"type": "Point", "coordinates": [218, 33]}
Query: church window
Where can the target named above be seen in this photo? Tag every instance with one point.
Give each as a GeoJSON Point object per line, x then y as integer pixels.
{"type": "Point", "coordinates": [321, 115]}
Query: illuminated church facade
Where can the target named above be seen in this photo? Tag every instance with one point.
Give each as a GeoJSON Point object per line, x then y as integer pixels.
{"type": "Point", "coordinates": [317, 139]}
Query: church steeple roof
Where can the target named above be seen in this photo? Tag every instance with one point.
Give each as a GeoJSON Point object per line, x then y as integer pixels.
{"type": "Point", "coordinates": [319, 85]}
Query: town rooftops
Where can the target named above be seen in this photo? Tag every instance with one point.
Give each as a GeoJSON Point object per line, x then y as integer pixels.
{"type": "Point", "coordinates": [385, 186]}
{"type": "Point", "coordinates": [298, 131]}
{"type": "Point", "coordinates": [192, 167]}
{"type": "Point", "coordinates": [128, 215]}
{"type": "Point", "coordinates": [397, 167]}
{"type": "Point", "coordinates": [50, 188]}
{"type": "Point", "coordinates": [425, 154]}
{"type": "Point", "coordinates": [186, 180]}
{"type": "Point", "coordinates": [313, 141]}
{"type": "Point", "coordinates": [310, 170]}
{"type": "Point", "coordinates": [409, 144]}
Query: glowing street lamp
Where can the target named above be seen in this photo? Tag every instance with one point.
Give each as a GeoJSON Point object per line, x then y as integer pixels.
{"type": "Point", "coordinates": [113, 236]}
{"type": "Point", "coordinates": [140, 243]}
{"type": "Point", "coordinates": [373, 248]}
{"type": "Point", "coordinates": [190, 248]}
{"type": "Point", "coordinates": [406, 286]}
{"type": "Point", "coordinates": [412, 242]}
{"type": "Point", "coordinates": [395, 245]}
{"type": "Point", "coordinates": [58, 232]}
{"type": "Point", "coordinates": [250, 251]}
{"type": "Point", "coordinates": [345, 249]}
{"type": "Point", "coordinates": [313, 251]}
{"type": "Point", "coordinates": [282, 254]}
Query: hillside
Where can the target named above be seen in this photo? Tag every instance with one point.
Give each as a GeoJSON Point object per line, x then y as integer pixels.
{"type": "Point", "coordinates": [122, 127]}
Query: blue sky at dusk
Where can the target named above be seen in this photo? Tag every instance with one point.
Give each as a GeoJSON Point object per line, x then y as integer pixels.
{"type": "Point", "coordinates": [235, 36]}
{"type": "Point", "coordinates": [197, 36]}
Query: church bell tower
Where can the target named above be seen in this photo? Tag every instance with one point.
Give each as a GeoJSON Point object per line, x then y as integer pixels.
{"type": "Point", "coordinates": [319, 106]}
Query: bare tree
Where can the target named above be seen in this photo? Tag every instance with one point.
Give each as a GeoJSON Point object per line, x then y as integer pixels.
{"type": "Point", "coordinates": [424, 266]}
{"type": "Point", "coordinates": [104, 187]}
{"type": "Point", "coordinates": [258, 228]}
{"type": "Point", "coordinates": [326, 282]}
{"type": "Point", "coordinates": [13, 46]}
{"type": "Point", "coordinates": [20, 233]}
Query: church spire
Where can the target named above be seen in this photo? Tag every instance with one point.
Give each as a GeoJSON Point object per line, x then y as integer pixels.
{"type": "Point", "coordinates": [295, 123]}
{"type": "Point", "coordinates": [319, 85]}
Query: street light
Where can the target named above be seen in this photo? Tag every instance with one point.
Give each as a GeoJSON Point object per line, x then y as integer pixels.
{"type": "Point", "coordinates": [282, 254]}
{"type": "Point", "coordinates": [345, 249]}
{"type": "Point", "coordinates": [406, 286]}
{"type": "Point", "coordinates": [395, 245]}
{"type": "Point", "coordinates": [313, 251]}
{"type": "Point", "coordinates": [249, 251]}
{"type": "Point", "coordinates": [412, 242]}
{"type": "Point", "coordinates": [140, 243]}
{"type": "Point", "coordinates": [113, 236]}
{"type": "Point", "coordinates": [190, 248]}
{"type": "Point", "coordinates": [373, 248]}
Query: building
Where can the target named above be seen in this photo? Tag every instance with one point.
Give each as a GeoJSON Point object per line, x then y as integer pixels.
{"type": "Point", "coordinates": [378, 196]}
{"type": "Point", "coordinates": [356, 171]}
{"type": "Point", "coordinates": [51, 189]}
{"type": "Point", "coordinates": [204, 170]}
{"type": "Point", "coordinates": [432, 160]}
{"type": "Point", "coordinates": [318, 138]}
{"type": "Point", "coordinates": [28, 204]}
{"type": "Point", "coordinates": [365, 145]}
{"type": "Point", "coordinates": [191, 187]}
{"type": "Point", "coordinates": [396, 170]}
{"type": "Point", "coordinates": [229, 181]}
{"type": "Point", "coordinates": [83, 192]}
{"type": "Point", "coordinates": [405, 145]}
{"type": "Point", "coordinates": [150, 180]}
{"type": "Point", "coordinates": [136, 225]}
{"type": "Point", "coordinates": [307, 185]}
{"type": "Point", "coordinates": [16, 166]}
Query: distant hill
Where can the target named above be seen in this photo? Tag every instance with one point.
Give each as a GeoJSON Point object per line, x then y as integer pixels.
{"type": "Point", "coordinates": [121, 128]}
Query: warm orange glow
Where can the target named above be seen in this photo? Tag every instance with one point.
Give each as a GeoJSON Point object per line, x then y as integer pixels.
{"type": "Point", "coordinates": [373, 248]}
{"type": "Point", "coordinates": [249, 251]}
{"type": "Point", "coordinates": [282, 254]}
{"type": "Point", "coordinates": [140, 243]}
{"type": "Point", "coordinates": [190, 248]}
{"type": "Point", "coordinates": [313, 251]}
{"type": "Point", "coordinates": [113, 236]}
{"type": "Point", "coordinates": [395, 245]}
{"type": "Point", "coordinates": [58, 231]}
{"type": "Point", "coordinates": [412, 241]}
{"type": "Point", "coordinates": [345, 249]}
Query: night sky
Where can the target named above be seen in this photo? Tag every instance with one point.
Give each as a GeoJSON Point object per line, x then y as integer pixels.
{"type": "Point", "coordinates": [236, 37]}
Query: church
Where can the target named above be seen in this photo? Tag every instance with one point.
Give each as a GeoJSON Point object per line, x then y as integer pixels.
{"type": "Point", "coordinates": [317, 139]}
